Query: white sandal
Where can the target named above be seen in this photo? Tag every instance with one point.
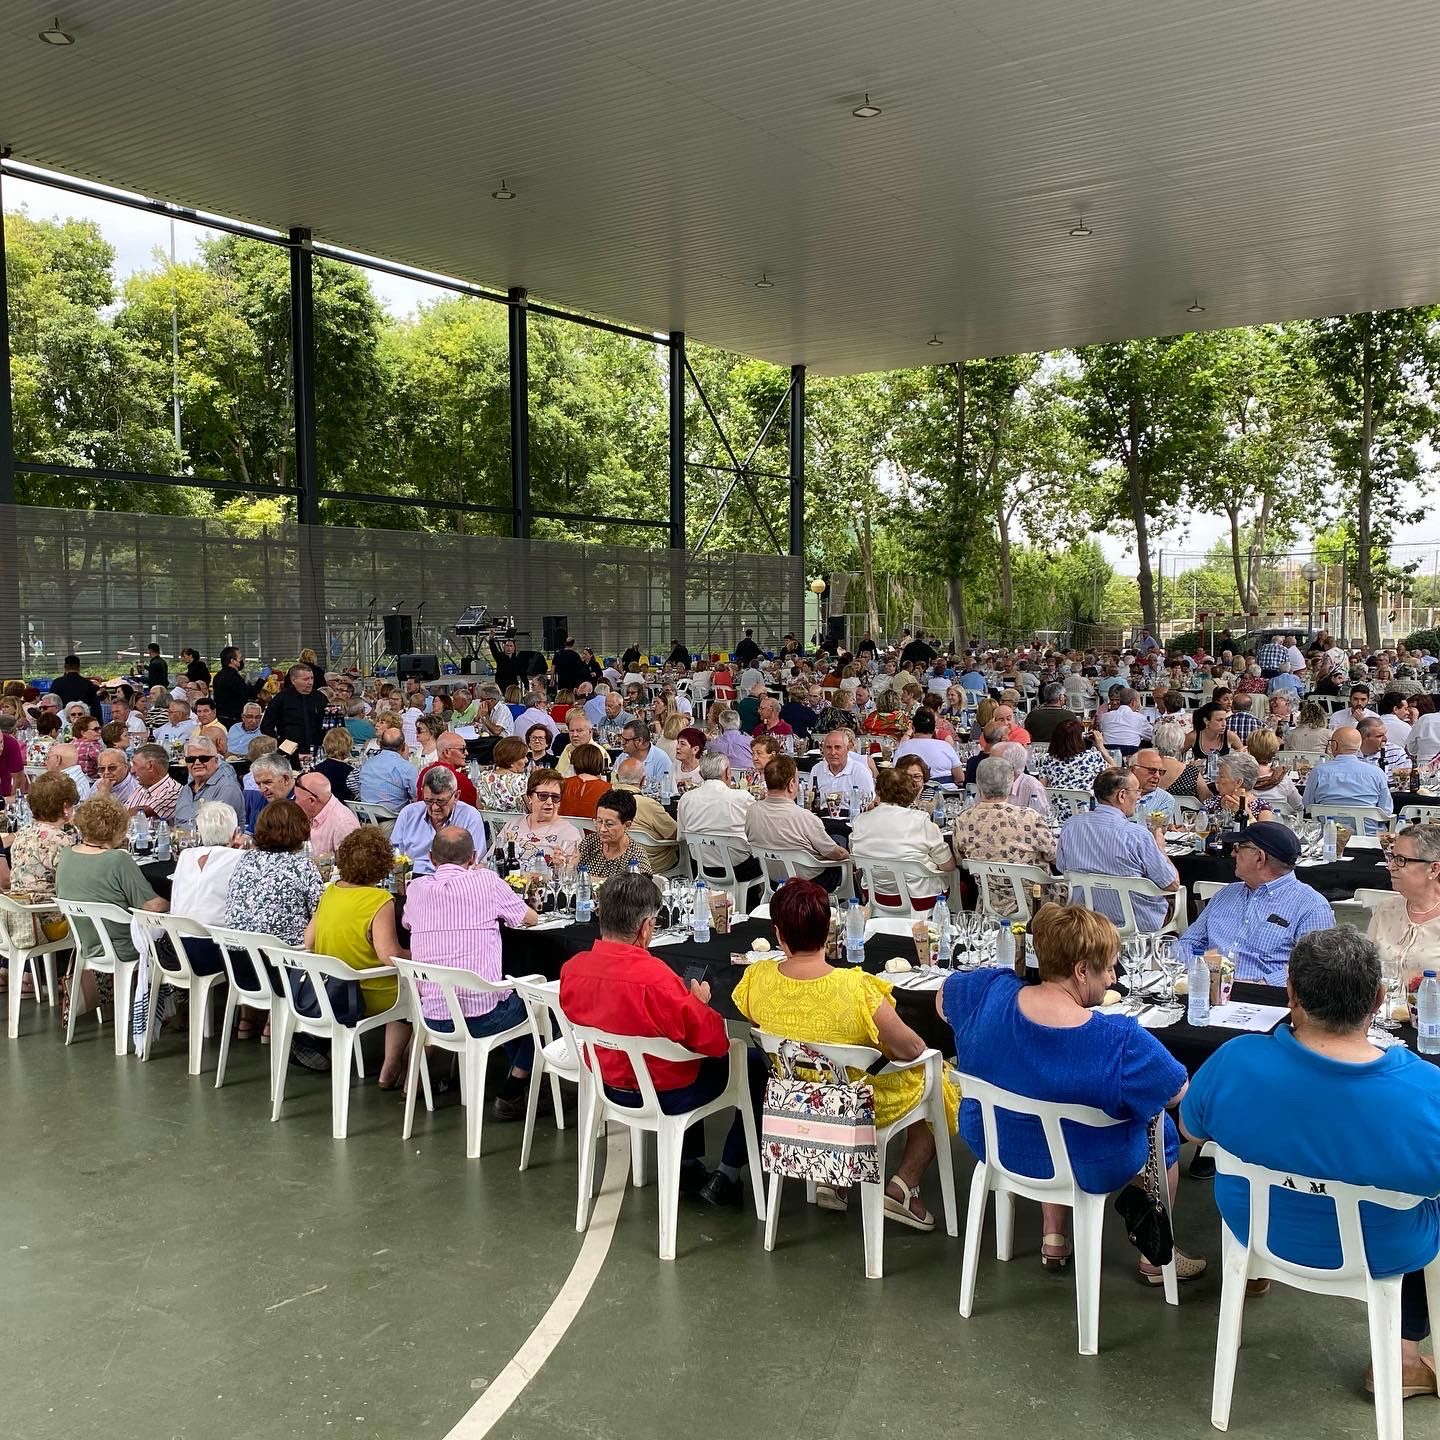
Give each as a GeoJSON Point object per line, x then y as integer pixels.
{"type": "Point", "coordinates": [829, 1197]}
{"type": "Point", "coordinates": [900, 1209]}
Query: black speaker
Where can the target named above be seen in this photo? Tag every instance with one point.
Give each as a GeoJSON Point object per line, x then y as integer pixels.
{"type": "Point", "coordinates": [422, 667]}
{"type": "Point", "coordinates": [399, 634]}
{"type": "Point", "coordinates": [555, 628]}
{"type": "Point", "coordinates": [834, 631]}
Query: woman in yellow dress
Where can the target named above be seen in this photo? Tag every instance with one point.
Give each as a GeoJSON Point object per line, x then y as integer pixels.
{"type": "Point", "coordinates": [355, 922]}
{"type": "Point", "coordinates": [804, 997]}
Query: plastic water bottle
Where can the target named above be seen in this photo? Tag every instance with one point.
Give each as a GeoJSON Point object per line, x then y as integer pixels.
{"type": "Point", "coordinates": [854, 931]}
{"type": "Point", "coordinates": [854, 802]}
{"type": "Point", "coordinates": [940, 918]}
{"type": "Point", "coordinates": [633, 867]}
{"type": "Point", "coordinates": [162, 841]}
{"type": "Point", "coordinates": [1005, 948]}
{"type": "Point", "coordinates": [938, 813]}
{"type": "Point", "coordinates": [1329, 841]}
{"type": "Point", "coordinates": [584, 898]}
{"type": "Point", "coordinates": [665, 790]}
{"type": "Point", "coordinates": [1197, 1006]}
{"type": "Point", "coordinates": [1427, 1006]}
{"type": "Point", "coordinates": [700, 920]}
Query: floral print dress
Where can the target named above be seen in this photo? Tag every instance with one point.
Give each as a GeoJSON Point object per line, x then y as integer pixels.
{"type": "Point", "coordinates": [274, 892]}
{"type": "Point", "coordinates": [33, 857]}
{"type": "Point", "coordinates": [1076, 773]}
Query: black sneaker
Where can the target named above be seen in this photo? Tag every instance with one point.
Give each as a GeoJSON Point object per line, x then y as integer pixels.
{"type": "Point", "coordinates": [312, 1057]}
{"type": "Point", "coordinates": [1202, 1167]}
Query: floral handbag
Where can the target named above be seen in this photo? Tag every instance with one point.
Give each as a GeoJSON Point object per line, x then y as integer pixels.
{"type": "Point", "coordinates": [822, 1129]}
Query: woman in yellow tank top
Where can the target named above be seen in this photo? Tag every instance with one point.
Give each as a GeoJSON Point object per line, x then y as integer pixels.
{"type": "Point", "coordinates": [355, 923]}
{"type": "Point", "coordinates": [803, 997]}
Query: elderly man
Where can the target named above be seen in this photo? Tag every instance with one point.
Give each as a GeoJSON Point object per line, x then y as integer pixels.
{"type": "Point", "coordinates": [713, 807]}
{"type": "Point", "coordinates": [1051, 711]}
{"type": "Point", "coordinates": [239, 735]}
{"type": "Point", "coordinates": [536, 712]}
{"type": "Point", "coordinates": [1281, 716]}
{"type": "Point", "coordinates": [158, 790]}
{"type": "Point", "coordinates": [115, 777]}
{"type": "Point", "coordinates": [1148, 768]}
{"type": "Point", "coordinates": [840, 769]}
{"type": "Point", "coordinates": [579, 731]}
{"type": "Point", "coordinates": [1346, 779]}
{"type": "Point", "coordinates": [274, 780]}
{"type": "Point", "coordinates": [1005, 715]}
{"type": "Point", "coordinates": [211, 778]}
{"type": "Point", "coordinates": [1376, 747]}
{"type": "Point", "coordinates": [749, 707]}
{"type": "Point", "coordinates": [612, 713]}
{"type": "Point", "coordinates": [650, 816]}
{"type": "Point", "coordinates": [387, 778]}
{"type": "Point", "coordinates": [450, 752]}
{"type": "Point", "coordinates": [1102, 841]}
{"type": "Point", "coordinates": [63, 757]}
{"type": "Point", "coordinates": [1122, 723]}
{"type": "Point", "coordinates": [297, 713]}
{"type": "Point", "coordinates": [732, 742]}
{"type": "Point", "coordinates": [1305, 1099]}
{"type": "Point", "coordinates": [490, 714]}
{"type": "Point", "coordinates": [330, 820]}
{"type": "Point", "coordinates": [123, 712]}
{"type": "Point", "coordinates": [439, 806]}
{"type": "Point", "coordinates": [1256, 920]}
{"type": "Point", "coordinates": [940, 756]}
{"type": "Point", "coordinates": [776, 822]}
{"type": "Point", "coordinates": [1242, 723]}
{"type": "Point", "coordinates": [178, 727]}
{"type": "Point", "coordinates": [997, 732]}
{"type": "Point", "coordinates": [206, 724]}
{"type": "Point", "coordinates": [655, 763]}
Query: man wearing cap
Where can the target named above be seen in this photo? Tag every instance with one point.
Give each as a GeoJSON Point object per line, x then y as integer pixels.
{"type": "Point", "coordinates": [1257, 919]}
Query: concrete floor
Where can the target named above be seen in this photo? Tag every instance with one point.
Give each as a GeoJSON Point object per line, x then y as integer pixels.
{"type": "Point", "coordinates": [174, 1265]}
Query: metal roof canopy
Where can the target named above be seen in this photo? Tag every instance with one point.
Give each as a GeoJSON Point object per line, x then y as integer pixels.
{"type": "Point", "coordinates": [1272, 160]}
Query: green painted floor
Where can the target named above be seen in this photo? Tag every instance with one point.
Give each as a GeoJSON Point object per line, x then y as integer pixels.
{"type": "Point", "coordinates": [172, 1265]}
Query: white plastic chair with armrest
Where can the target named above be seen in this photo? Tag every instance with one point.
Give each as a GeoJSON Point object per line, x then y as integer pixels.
{"type": "Point", "coordinates": [646, 841]}
{"type": "Point", "coordinates": [179, 929]}
{"type": "Point", "coordinates": [1125, 888]}
{"type": "Point", "coordinates": [715, 857]}
{"type": "Point", "coordinates": [1360, 818]}
{"type": "Point", "coordinates": [555, 1056]}
{"type": "Point", "coordinates": [781, 865]}
{"type": "Point", "coordinates": [1003, 876]}
{"type": "Point", "coordinates": [1417, 814]}
{"type": "Point", "coordinates": [38, 956]}
{"type": "Point", "coordinates": [473, 1050]}
{"type": "Point", "coordinates": [669, 1130]}
{"type": "Point", "coordinates": [367, 814]}
{"type": "Point", "coordinates": [1207, 890]}
{"type": "Point", "coordinates": [93, 918]}
{"type": "Point", "coordinates": [286, 1022]}
{"type": "Point", "coordinates": [1186, 808]}
{"type": "Point", "coordinates": [907, 883]}
{"type": "Point", "coordinates": [929, 1106]}
{"type": "Point", "coordinates": [1079, 801]}
{"type": "Point", "coordinates": [1088, 1210]}
{"type": "Point", "coordinates": [1351, 1279]}
{"type": "Point", "coordinates": [256, 946]}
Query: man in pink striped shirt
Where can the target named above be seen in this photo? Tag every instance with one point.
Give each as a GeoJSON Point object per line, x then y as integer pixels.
{"type": "Point", "coordinates": [454, 915]}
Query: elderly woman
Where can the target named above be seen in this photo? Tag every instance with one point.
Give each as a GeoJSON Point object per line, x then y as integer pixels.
{"type": "Point", "coordinates": [428, 729]}
{"type": "Point", "coordinates": [35, 851]}
{"type": "Point", "coordinates": [689, 746]}
{"type": "Point", "coordinates": [1071, 764]}
{"type": "Point", "coordinates": [918, 772]}
{"type": "Point", "coordinates": [1182, 775]}
{"type": "Point", "coordinates": [1235, 790]}
{"type": "Point", "coordinates": [47, 733]}
{"type": "Point", "coordinates": [337, 767]}
{"type": "Point", "coordinates": [1312, 734]}
{"type": "Point", "coordinates": [610, 850]}
{"type": "Point", "coordinates": [996, 828]}
{"type": "Point", "coordinates": [582, 789]}
{"type": "Point", "coordinates": [1273, 784]}
{"type": "Point", "coordinates": [274, 889]}
{"type": "Point", "coordinates": [1046, 1042]}
{"type": "Point", "coordinates": [804, 997]}
{"type": "Point", "coordinates": [201, 884]}
{"type": "Point", "coordinates": [85, 735]}
{"type": "Point", "coordinates": [537, 748]}
{"type": "Point", "coordinates": [98, 867]}
{"type": "Point", "coordinates": [887, 718]}
{"type": "Point", "coordinates": [540, 834]}
{"type": "Point", "coordinates": [354, 922]}
{"type": "Point", "coordinates": [895, 832]}
{"type": "Point", "coordinates": [1405, 926]}
{"type": "Point", "coordinates": [1253, 683]}
{"type": "Point", "coordinates": [1025, 790]}
{"type": "Point", "coordinates": [502, 786]}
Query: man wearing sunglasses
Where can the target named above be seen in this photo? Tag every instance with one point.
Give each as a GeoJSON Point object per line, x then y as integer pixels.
{"type": "Point", "coordinates": [210, 778]}
{"type": "Point", "coordinates": [330, 820]}
{"type": "Point", "coordinates": [1149, 769]}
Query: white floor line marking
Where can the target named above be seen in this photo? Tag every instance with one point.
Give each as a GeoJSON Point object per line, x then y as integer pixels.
{"type": "Point", "coordinates": [505, 1389]}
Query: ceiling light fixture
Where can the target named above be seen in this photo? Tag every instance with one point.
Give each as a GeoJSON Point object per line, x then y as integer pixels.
{"type": "Point", "coordinates": [764, 282]}
{"type": "Point", "coordinates": [1080, 230]}
{"type": "Point", "coordinates": [55, 35]}
{"type": "Point", "coordinates": [503, 193]}
{"type": "Point", "coordinates": [867, 111]}
{"type": "Point", "coordinates": [1195, 307]}
{"type": "Point", "coordinates": [935, 339]}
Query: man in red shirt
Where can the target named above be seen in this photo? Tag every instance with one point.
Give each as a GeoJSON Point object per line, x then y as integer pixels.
{"type": "Point", "coordinates": [620, 987]}
{"type": "Point", "coordinates": [450, 752]}
{"type": "Point", "coordinates": [770, 721]}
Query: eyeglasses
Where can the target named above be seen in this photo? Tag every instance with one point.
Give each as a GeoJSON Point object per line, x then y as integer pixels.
{"type": "Point", "coordinates": [1399, 862]}
{"type": "Point", "coordinates": [199, 759]}
{"type": "Point", "coordinates": [550, 797]}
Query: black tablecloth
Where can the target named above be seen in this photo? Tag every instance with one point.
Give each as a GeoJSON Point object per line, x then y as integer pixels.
{"type": "Point", "coordinates": [1335, 880]}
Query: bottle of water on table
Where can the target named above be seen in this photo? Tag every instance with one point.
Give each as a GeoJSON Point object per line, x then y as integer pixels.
{"type": "Point", "coordinates": [854, 933]}
{"type": "Point", "coordinates": [700, 919]}
{"type": "Point", "coordinates": [1427, 1016]}
{"type": "Point", "coordinates": [1329, 845]}
{"type": "Point", "coordinates": [940, 919]}
{"type": "Point", "coordinates": [584, 898]}
{"type": "Point", "coordinates": [1197, 1007]}
{"type": "Point", "coordinates": [162, 841]}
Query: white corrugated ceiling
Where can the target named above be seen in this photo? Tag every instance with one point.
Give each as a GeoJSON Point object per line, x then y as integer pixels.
{"type": "Point", "coordinates": [1275, 158]}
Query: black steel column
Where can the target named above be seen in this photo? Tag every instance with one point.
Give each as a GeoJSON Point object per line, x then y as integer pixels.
{"type": "Point", "coordinates": [679, 610]}
{"type": "Point", "coordinates": [519, 414]}
{"type": "Point", "coordinates": [797, 497]}
{"type": "Point", "coordinates": [311, 557]}
{"type": "Point", "coordinates": [11, 651]}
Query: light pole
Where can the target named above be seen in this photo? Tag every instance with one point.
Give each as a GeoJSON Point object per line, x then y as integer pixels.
{"type": "Point", "coordinates": [1310, 572]}
{"type": "Point", "coordinates": [817, 589]}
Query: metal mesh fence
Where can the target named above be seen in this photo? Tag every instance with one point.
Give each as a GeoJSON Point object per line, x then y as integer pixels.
{"type": "Point", "coordinates": [103, 585]}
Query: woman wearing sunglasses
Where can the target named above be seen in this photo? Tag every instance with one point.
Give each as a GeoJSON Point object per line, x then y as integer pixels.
{"type": "Point", "coordinates": [540, 833]}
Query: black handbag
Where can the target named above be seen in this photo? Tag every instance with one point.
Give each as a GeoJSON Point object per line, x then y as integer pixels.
{"type": "Point", "coordinates": [1147, 1220]}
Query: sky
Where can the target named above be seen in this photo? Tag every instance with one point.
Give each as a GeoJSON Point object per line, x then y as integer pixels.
{"type": "Point", "coordinates": [137, 235]}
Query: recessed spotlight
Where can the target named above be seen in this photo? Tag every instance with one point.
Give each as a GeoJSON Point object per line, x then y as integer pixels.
{"type": "Point", "coordinates": [935, 339]}
{"type": "Point", "coordinates": [503, 193]}
{"type": "Point", "coordinates": [1080, 230]}
{"type": "Point", "coordinates": [867, 111]}
{"type": "Point", "coordinates": [764, 282]}
{"type": "Point", "coordinates": [55, 35]}
{"type": "Point", "coordinates": [1195, 307]}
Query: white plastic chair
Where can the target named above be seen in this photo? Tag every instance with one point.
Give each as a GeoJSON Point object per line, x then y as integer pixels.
{"type": "Point", "coordinates": [1207, 890]}
{"type": "Point", "coordinates": [715, 857]}
{"type": "Point", "coordinates": [889, 878]}
{"type": "Point", "coordinates": [1362, 819]}
{"type": "Point", "coordinates": [97, 916]}
{"type": "Point", "coordinates": [781, 865]}
{"type": "Point", "coordinates": [1084, 885]}
{"type": "Point", "coordinates": [1017, 879]}
{"type": "Point", "coordinates": [557, 1057]}
{"type": "Point", "coordinates": [38, 957]}
{"type": "Point", "coordinates": [380, 815]}
{"type": "Point", "coordinates": [930, 1106]}
{"type": "Point", "coordinates": [286, 1022]}
{"type": "Point", "coordinates": [669, 1130]}
{"type": "Point", "coordinates": [1417, 814]}
{"type": "Point", "coordinates": [1351, 1279]}
{"type": "Point", "coordinates": [257, 946]}
{"type": "Point", "coordinates": [473, 1050]}
{"type": "Point", "coordinates": [1060, 1189]}
{"type": "Point", "coordinates": [1186, 806]}
{"type": "Point", "coordinates": [1078, 801]}
{"type": "Point", "coordinates": [648, 842]}
{"type": "Point", "coordinates": [179, 929]}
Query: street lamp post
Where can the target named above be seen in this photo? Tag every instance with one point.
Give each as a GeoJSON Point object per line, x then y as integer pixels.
{"type": "Point", "coordinates": [1310, 572]}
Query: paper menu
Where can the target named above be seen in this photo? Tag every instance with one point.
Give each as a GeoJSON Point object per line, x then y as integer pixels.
{"type": "Point", "coordinates": [1255, 1019]}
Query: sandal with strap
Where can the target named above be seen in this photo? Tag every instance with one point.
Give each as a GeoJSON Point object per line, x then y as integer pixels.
{"type": "Point", "coordinates": [1055, 1251]}
{"type": "Point", "coordinates": [901, 1210]}
{"type": "Point", "coordinates": [831, 1197]}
